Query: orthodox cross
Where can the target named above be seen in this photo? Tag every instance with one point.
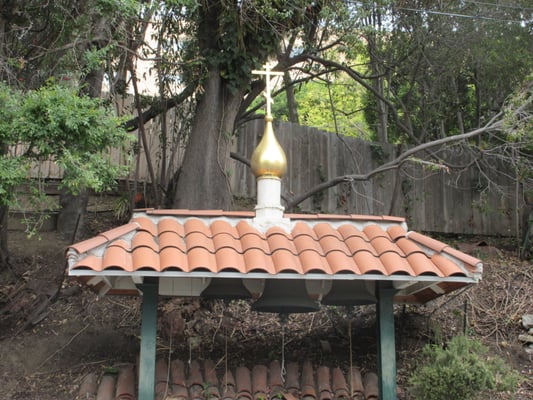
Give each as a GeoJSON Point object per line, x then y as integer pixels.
{"type": "Point", "coordinates": [268, 88]}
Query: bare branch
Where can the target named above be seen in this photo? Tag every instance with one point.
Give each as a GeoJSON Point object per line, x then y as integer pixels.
{"type": "Point", "coordinates": [394, 164]}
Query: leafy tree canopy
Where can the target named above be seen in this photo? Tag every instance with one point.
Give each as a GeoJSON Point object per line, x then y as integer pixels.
{"type": "Point", "coordinates": [55, 123]}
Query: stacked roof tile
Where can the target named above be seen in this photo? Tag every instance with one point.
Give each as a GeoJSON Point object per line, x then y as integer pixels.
{"type": "Point", "coordinates": [202, 381]}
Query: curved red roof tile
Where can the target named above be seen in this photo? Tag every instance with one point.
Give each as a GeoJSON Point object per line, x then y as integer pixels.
{"type": "Point", "coordinates": [244, 228]}
{"type": "Point", "coordinates": [144, 258]}
{"type": "Point", "coordinates": [257, 261]}
{"type": "Point", "coordinates": [254, 241]}
{"type": "Point", "coordinates": [375, 231]}
{"type": "Point", "coordinates": [199, 258]}
{"type": "Point", "coordinates": [357, 244]}
{"type": "Point", "coordinates": [197, 226]}
{"type": "Point", "coordinates": [430, 243]}
{"type": "Point", "coordinates": [368, 263]}
{"type": "Point", "coordinates": [117, 257]}
{"type": "Point", "coordinates": [172, 257]}
{"type": "Point", "coordinates": [280, 242]}
{"type": "Point", "coordinates": [144, 239]}
{"type": "Point", "coordinates": [385, 245]}
{"type": "Point", "coordinates": [226, 240]}
{"type": "Point", "coordinates": [422, 265]}
{"type": "Point", "coordinates": [146, 224]}
{"type": "Point", "coordinates": [228, 258]}
{"type": "Point", "coordinates": [305, 243]}
{"type": "Point", "coordinates": [301, 228]}
{"type": "Point", "coordinates": [331, 243]}
{"type": "Point", "coordinates": [466, 258]}
{"type": "Point", "coordinates": [447, 267]}
{"type": "Point", "coordinates": [90, 262]}
{"type": "Point", "coordinates": [172, 239]}
{"type": "Point", "coordinates": [340, 262]}
{"type": "Point", "coordinates": [223, 227]}
{"type": "Point", "coordinates": [395, 264]}
{"type": "Point", "coordinates": [285, 261]}
{"type": "Point", "coordinates": [323, 229]}
{"type": "Point", "coordinates": [396, 232]}
{"type": "Point", "coordinates": [312, 261]}
{"type": "Point", "coordinates": [194, 240]}
{"type": "Point", "coordinates": [170, 225]}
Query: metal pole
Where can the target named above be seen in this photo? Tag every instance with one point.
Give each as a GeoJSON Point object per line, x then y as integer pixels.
{"type": "Point", "coordinates": [386, 345]}
{"type": "Point", "coordinates": [150, 289]}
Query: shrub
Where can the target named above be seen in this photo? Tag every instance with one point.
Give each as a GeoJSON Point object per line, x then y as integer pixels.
{"type": "Point", "coordinates": [462, 370]}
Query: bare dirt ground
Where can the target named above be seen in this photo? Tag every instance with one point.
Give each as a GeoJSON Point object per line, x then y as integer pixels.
{"type": "Point", "coordinates": [50, 339]}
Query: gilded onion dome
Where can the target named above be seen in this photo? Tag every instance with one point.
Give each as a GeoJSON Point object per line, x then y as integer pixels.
{"type": "Point", "coordinates": [268, 158]}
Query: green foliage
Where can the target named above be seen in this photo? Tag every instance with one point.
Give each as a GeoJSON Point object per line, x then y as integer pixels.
{"type": "Point", "coordinates": [462, 370]}
{"type": "Point", "coordinates": [55, 123]}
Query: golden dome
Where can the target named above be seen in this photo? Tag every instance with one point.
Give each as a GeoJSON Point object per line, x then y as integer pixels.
{"type": "Point", "coordinates": [268, 158]}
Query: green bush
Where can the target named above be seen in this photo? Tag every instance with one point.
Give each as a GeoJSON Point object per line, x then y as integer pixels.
{"type": "Point", "coordinates": [462, 370]}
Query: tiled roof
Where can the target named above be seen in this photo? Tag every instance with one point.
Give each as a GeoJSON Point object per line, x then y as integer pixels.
{"type": "Point", "coordinates": [201, 380]}
{"type": "Point", "coordinates": [201, 245]}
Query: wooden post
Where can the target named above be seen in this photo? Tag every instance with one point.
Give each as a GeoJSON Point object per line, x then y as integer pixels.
{"type": "Point", "coordinates": [150, 289]}
{"type": "Point", "coordinates": [386, 345]}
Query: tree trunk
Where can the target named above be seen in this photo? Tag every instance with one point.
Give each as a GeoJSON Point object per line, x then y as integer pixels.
{"type": "Point", "coordinates": [203, 179]}
{"type": "Point", "coordinates": [291, 99]}
{"type": "Point", "coordinates": [70, 220]}
{"type": "Point", "coordinates": [4, 252]}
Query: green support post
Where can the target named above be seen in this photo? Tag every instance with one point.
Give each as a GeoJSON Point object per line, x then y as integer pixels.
{"type": "Point", "coordinates": [150, 289]}
{"type": "Point", "coordinates": [386, 345]}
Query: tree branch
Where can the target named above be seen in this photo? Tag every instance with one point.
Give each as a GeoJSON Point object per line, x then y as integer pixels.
{"type": "Point", "coordinates": [393, 164]}
{"type": "Point", "coordinates": [159, 106]}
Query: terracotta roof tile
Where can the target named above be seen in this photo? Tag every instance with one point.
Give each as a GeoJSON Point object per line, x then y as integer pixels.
{"type": "Point", "coordinates": [229, 258]}
{"type": "Point", "coordinates": [91, 262]}
{"type": "Point", "coordinates": [356, 383]}
{"type": "Point", "coordinates": [125, 389]}
{"type": "Point", "coordinates": [340, 262]}
{"type": "Point", "coordinates": [285, 261]}
{"type": "Point", "coordinates": [312, 261]}
{"type": "Point", "coordinates": [144, 239]}
{"type": "Point", "coordinates": [145, 258]}
{"type": "Point", "coordinates": [368, 263]}
{"type": "Point", "coordinates": [106, 390]}
{"type": "Point", "coordinates": [258, 260]}
{"type": "Point", "coordinates": [447, 267]}
{"type": "Point", "coordinates": [201, 258]}
{"type": "Point", "coordinates": [332, 243]}
{"type": "Point", "coordinates": [117, 257]}
{"type": "Point", "coordinates": [172, 239]}
{"type": "Point", "coordinates": [217, 242]}
{"type": "Point", "coordinates": [395, 264]}
{"type": "Point", "coordinates": [301, 228]}
{"type": "Point", "coordinates": [244, 383]}
{"type": "Point", "coordinates": [171, 257]}
{"type": "Point", "coordinates": [370, 382]}
{"type": "Point", "coordinates": [396, 232]}
{"type": "Point", "coordinates": [467, 259]}
{"type": "Point", "coordinates": [205, 380]}
{"type": "Point", "coordinates": [340, 388]}
{"type": "Point", "coordinates": [324, 229]}
{"type": "Point", "coordinates": [430, 243]}
{"type": "Point", "coordinates": [375, 231]}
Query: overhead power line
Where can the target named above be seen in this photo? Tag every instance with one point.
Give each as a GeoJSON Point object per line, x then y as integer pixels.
{"type": "Point", "coordinates": [462, 15]}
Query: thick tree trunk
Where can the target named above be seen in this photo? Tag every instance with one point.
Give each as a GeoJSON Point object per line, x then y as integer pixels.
{"type": "Point", "coordinates": [4, 252]}
{"type": "Point", "coordinates": [203, 179]}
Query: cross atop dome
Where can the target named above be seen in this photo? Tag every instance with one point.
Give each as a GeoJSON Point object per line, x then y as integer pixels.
{"type": "Point", "coordinates": [268, 88]}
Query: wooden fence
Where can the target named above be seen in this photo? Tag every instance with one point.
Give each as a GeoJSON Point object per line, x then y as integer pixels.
{"type": "Point", "coordinates": [433, 200]}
